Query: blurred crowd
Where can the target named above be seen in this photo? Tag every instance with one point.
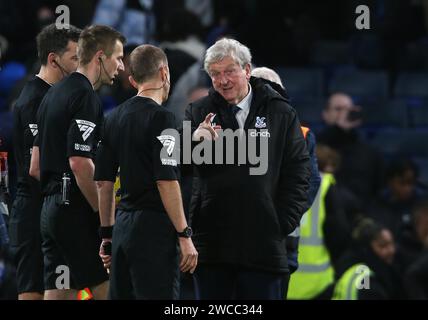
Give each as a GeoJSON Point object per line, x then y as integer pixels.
{"type": "Point", "coordinates": [378, 209]}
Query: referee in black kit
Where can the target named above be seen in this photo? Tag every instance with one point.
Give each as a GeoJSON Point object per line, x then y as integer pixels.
{"type": "Point", "coordinates": [150, 216]}
{"type": "Point", "coordinates": [58, 57]}
{"type": "Point", "coordinates": [69, 119]}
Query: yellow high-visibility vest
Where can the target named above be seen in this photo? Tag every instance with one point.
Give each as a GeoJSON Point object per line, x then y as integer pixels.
{"type": "Point", "coordinates": [347, 286]}
{"type": "Point", "coordinates": [315, 272]}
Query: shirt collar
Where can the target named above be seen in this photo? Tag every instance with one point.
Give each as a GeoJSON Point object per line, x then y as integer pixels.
{"type": "Point", "coordinates": [43, 80]}
{"type": "Point", "coordinates": [246, 102]}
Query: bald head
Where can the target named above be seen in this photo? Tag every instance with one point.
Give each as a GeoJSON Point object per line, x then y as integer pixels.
{"type": "Point", "coordinates": [268, 74]}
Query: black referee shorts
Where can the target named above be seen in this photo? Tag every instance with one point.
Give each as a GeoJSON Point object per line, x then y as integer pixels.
{"type": "Point", "coordinates": [70, 240]}
{"type": "Point", "coordinates": [26, 243]}
{"type": "Point", "coordinates": [144, 257]}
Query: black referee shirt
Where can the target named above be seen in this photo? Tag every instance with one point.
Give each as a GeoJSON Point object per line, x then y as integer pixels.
{"type": "Point", "coordinates": [24, 132]}
{"type": "Point", "coordinates": [69, 119]}
{"type": "Point", "coordinates": [132, 140]}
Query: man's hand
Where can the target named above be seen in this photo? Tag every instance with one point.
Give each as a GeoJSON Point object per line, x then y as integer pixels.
{"type": "Point", "coordinates": [345, 122]}
{"type": "Point", "coordinates": [206, 130]}
{"type": "Point", "coordinates": [105, 253]}
{"type": "Point", "coordinates": [189, 255]}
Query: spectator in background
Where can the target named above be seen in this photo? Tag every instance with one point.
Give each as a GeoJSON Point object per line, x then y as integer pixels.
{"type": "Point", "coordinates": [338, 205]}
{"type": "Point", "coordinates": [195, 77]}
{"type": "Point", "coordinates": [8, 289]}
{"type": "Point", "coordinates": [181, 42]}
{"type": "Point", "coordinates": [415, 247]}
{"type": "Point", "coordinates": [133, 18]}
{"type": "Point", "coordinates": [122, 89]}
{"type": "Point", "coordinates": [361, 166]}
{"type": "Point", "coordinates": [393, 207]}
{"type": "Point", "coordinates": [330, 160]}
{"type": "Point", "coordinates": [374, 248]}
{"type": "Point", "coordinates": [416, 279]}
{"type": "Point", "coordinates": [414, 241]}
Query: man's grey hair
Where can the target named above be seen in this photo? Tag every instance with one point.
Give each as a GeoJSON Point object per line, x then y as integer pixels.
{"type": "Point", "coordinates": [227, 48]}
{"type": "Point", "coordinates": [268, 74]}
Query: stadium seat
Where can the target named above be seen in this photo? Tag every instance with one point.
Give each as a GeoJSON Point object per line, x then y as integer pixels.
{"type": "Point", "coordinates": [415, 56]}
{"type": "Point", "coordinates": [419, 115]}
{"type": "Point", "coordinates": [328, 53]}
{"type": "Point", "coordinates": [361, 85]}
{"type": "Point", "coordinates": [302, 83]}
{"type": "Point", "coordinates": [309, 111]}
{"type": "Point", "coordinates": [390, 113]}
{"type": "Point", "coordinates": [411, 85]}
{"type": "Point", "coordinates": [422, 164]}
{"type": "Point", "coordinates": [367, 50]}
{"type": "Point", "coordinates": [406, 142]}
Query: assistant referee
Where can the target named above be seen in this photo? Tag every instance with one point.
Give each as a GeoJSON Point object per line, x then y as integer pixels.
{"type": "Point", "coordinates": [58, 57]}
{"type": "Point", "coordinates": [69, 119]}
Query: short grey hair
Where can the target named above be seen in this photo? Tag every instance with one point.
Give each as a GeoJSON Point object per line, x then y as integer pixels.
{"type": "Point", "coordinates": [268, 74]}
{"type": "Point", "coordinates": [227, 48]}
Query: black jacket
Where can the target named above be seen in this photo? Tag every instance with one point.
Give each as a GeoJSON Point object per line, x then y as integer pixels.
{"type": "Point", "coordinates": [243, 219]}
{"type": "Point", "coordinates": [361, 167]}
{"type": "Point", "coordinates": [416, 278]}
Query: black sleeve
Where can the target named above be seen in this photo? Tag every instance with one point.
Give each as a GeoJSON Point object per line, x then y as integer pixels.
{"type": "Point", "coordinates": [82, 132]}
{"type": "Point", "coordinates": [416, 279]}
{"type": "Point", "coordinates": [166, 146]}
{"type": "Point", "coordinates": [292, 195]}
{"type": "Point", "coordinates": [106, 162]}
{"type": "Point", "coordinates": [315, 179]}
{"type": "Point", "coordinates": [187, 169]}
{"type": "Point", "coordinates": [36, 142]}
{"type": "Point", "coordinates": [18, 135]}
{"type": "Point", "coordinates": [188, 116]}
{"type": "Point", "coordinates": [337, 229]}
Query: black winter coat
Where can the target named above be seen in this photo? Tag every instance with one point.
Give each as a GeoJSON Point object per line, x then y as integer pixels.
{"type": "Point", "coordinates": [243, 219]}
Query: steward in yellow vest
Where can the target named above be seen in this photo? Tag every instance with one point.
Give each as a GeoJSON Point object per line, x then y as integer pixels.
{"type": "Point", "coordinates": [354, 279]}
{"type": "Point", "coordinates": [370, 269]}
{"type": "Point", "coordinates": [315, 273]}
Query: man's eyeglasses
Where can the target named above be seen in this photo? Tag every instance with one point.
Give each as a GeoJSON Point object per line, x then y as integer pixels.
{"type": "Point", "coordinates": [228, 73]}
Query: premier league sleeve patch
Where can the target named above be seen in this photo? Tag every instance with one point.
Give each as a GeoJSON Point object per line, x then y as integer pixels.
{"type": "Point", "coordinates": [168, 143]}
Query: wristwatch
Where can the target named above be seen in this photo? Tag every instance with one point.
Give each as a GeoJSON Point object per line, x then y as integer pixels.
{"type": "Point", "coordinates": [186, 233]}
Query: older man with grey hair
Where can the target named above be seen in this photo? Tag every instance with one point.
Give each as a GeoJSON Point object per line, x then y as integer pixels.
{"type": "Point", "coordinates": [241, 220]}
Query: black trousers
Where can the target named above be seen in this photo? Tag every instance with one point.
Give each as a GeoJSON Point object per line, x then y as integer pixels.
{"type": "Point", "coordinates": [144, 257]}
{"type": "Point", "coordinates": [26, 243]}
{"type": "Point", "coordinates": [224, 282]}
{"type": "Point", "coordinates": [70, 239]}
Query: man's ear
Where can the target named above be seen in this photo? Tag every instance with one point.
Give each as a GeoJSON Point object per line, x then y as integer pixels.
{"type": "Point", "coordinates": [248, 71]}
{"type": "Point", "coordinates": [99, 55]}
{"type": "Point", "coordinates": [133, 82]}
{"type": "Point", "coordinates": [52, 59]}
{"type": "Point", "coordinates": [164, 73]}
